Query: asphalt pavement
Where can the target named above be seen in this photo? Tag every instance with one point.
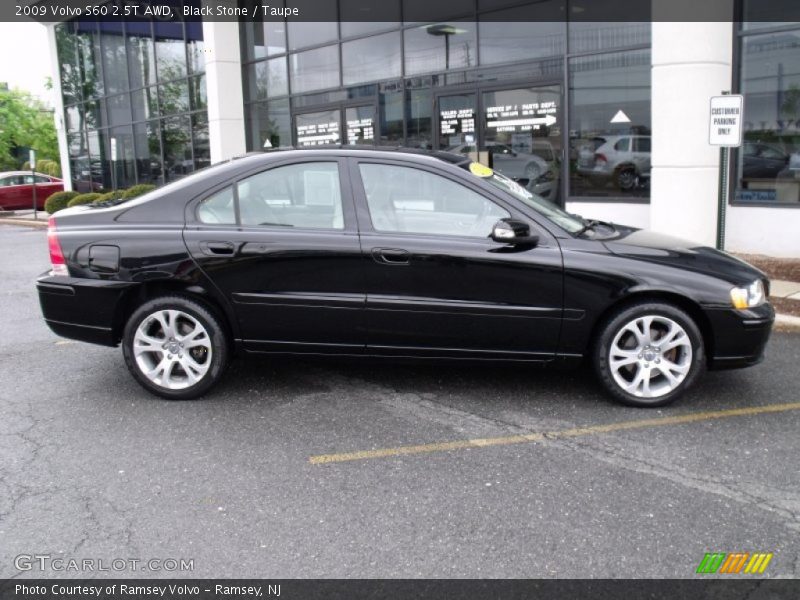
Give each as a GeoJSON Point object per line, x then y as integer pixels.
{"type": "Point", "coordinates": [92, 467]}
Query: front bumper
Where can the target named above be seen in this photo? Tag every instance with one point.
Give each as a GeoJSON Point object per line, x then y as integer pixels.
{"type": "Point", "coordinates": [82, 309]}
{"type": "Point", "coordinates": [739, 336]}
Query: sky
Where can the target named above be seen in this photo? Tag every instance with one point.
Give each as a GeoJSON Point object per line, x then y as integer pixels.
{"type": "Point", "coordinates": [25, 61]}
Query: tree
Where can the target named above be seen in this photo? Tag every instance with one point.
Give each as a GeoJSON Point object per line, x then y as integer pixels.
{"type": "Point", "coordinates": [25, 123]}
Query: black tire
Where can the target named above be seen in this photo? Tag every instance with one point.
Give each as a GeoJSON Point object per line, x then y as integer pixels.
{"type": "Point", "coordinates": [626, 179]}
{"type": "Point", "coordinates": [614, 325]}
{"type": "Point", "coordinates": [217, 352]}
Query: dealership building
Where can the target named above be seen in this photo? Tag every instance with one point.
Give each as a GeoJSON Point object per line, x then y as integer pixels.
{"type": "Point", "coordinates": [610, 119]}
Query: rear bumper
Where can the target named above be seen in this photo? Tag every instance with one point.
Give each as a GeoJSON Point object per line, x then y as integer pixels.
{"type": "Point", "coordinates": [82, 309]}
{"type": "Point", "coordinates": [740, 336]}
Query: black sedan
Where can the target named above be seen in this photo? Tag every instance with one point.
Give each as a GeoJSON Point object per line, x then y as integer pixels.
{"type": "Point", "coordinates": [392, 254]}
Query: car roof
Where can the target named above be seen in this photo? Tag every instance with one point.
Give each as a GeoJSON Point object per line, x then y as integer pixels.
{"type": "Point", "coordinates": [357, 150]}
{"type": "Point", "coordinates": [8, 173]}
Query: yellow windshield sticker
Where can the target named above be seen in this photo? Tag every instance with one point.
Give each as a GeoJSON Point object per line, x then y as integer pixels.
{"type": "Point", "coordinates": [480, 170]}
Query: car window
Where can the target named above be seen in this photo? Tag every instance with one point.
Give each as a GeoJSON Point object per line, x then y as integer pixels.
{"type": "Point", "coordinates": [42, 179]}
{"type": "Point", "coordinates": [622, 145]}
{"type": "Point", "coordinates": [643, 144]}
{"type": "Point", "coordinates": [302, 195]}
{"type": "Point", "coordinates": [12, 180]}
{"type": "Point", "coordinates": [409, 200]}
{"type": "Point", "coordinates": [218, 209]}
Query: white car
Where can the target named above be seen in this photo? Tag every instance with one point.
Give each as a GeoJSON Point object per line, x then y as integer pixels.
{"type": "Point", "coordinates": [623, 160]}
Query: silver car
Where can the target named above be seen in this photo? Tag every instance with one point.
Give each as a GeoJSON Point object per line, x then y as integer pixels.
{"type": "Point", "coordinates": [623, 160]}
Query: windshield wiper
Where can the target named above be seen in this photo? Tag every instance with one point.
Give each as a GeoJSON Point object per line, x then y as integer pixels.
{"type": "Point", "coordinates": [587, 225]}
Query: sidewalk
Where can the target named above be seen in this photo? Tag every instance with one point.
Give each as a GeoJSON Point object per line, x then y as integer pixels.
{"type": "Point", "coordinates": [784, 293]}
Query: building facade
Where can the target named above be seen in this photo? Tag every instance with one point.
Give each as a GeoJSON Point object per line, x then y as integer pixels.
{"type": "Point", "coordinates": [610, 119]}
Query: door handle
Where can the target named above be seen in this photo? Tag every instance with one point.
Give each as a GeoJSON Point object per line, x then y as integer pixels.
{"type": "Point", "coordinates": [391, 256]}
{"type": "Point", "coordinates": [218, 248]}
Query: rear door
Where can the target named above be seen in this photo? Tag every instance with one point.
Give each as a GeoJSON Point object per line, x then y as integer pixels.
{"type": "Point", "coordinates": [282, 245]}
{"type": "Point", "coordinates": [436, 284]}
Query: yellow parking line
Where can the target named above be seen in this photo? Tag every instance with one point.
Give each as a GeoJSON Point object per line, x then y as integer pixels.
{"type": "Point", "coordinates": [551, 435]}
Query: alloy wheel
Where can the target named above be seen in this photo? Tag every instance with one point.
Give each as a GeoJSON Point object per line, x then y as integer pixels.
{"type": "Point", "coordinates": [172, 349]}
{"type": "Point", "coordinates": [650, 356]}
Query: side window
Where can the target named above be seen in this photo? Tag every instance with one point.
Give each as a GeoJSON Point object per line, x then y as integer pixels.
{"type": "Point", "coordinates": [623, 145]}
{"type": "Point", "coordinates": [409, 200]}
{"type": "Point", "coordinates": [40, 179]}
{"type": "Point", "coordinates": [643, 144]}
{"type": "Point", "coordinates": [304, 195]}
{"type": "Point", "coordinates": [5, 181]}
{"type": "Point", "coordinates": [218, 209]}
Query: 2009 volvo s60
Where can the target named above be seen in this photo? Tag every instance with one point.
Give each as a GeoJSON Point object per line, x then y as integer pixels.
{"type": "Point", "coordinates": [393, 254]}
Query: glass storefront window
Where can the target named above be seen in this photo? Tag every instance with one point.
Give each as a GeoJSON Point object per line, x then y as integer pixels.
{"type": "Point", "coordinates": [144, 103]}
{"type": "Point", "coordinates": [372, 17]}
{"type": "Point", "coordinates": [176, 142]}
{"type": "Point", "coordinates": [200, 141]}
{"type": "Point", "coordinates": [141, 57]}
{"type": "Point", "coordinates": [376, 57]}
{"type": "Point", "coordinates": [317, 129]}
{"type": "Point", "coordinates": [588, 36]}
{"type": "Point", "coordinates": [195, 47]}
{"type": "Point", "coordinates": [260, 40]}
{"type": "Point", "coordinates": [268, 79]}
{"type": "Point", "coordinates": [457, 116]}
{"type": "Point", "coordinates": [440, 46]}
{"type": "Point", "coordinates": [170, 50]}
{"type": "Point", "coordinates": [197, 93]}
{"type": "Point", "coordinates": [522, 136]}
{"type": "Point", "coordinates": [390, 107]}
{"type": "Point", "coordinates": [174, 97]}
{"type": "Point", "coordinates": [419, 118]}
{"type": "Point", "coordinates": [360, 124]}
{"type": "Point", "coordinates": [314, 69]}
{"type": "Point", "coordinates": [123, 167]}
{"type": "Point", "coordinates": [303, 34]}
{"type": "Point", "coordinates": [147, 146]}
{"type": "Point", "coordinates": [520, 34]}
{"type": "Point", "coordinates": [269, 125]}
{"type": "Point", "coordinates": [609, 129]}
{"type": "Point", "coordinates": [768, 165]}
{"type": "Point", "coordinates": [115, 62]}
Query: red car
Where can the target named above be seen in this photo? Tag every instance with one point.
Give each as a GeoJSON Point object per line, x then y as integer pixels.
{"type": "Point", "coordinates": [16, 189]}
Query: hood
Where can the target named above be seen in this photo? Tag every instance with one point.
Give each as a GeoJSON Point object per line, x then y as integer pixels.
{"type": "Point", "coordinates": [680, 253]}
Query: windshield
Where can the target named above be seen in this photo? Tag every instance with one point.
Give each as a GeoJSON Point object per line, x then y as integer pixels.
{"type": "Point", "coordinates": [547, 209]}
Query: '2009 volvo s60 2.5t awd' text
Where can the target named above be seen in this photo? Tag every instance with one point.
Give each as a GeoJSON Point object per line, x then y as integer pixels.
{"type": "Point", "coordinates": [393, 254]}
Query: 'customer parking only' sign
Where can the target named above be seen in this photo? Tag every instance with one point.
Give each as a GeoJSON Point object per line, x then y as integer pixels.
{"type": "Point", "coordinates": [726, 121]}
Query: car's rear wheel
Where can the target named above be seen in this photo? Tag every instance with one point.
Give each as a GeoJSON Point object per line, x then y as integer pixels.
{"type": "Point", "coordinates": [626, 178]}
{"type": "Point", "coordinates": [175, 348]}
{"type": "Point", "coordinates": [649, 354]}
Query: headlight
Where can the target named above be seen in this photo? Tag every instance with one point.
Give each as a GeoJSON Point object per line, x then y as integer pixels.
{"type": "Point", "coordinates": [748, 297]}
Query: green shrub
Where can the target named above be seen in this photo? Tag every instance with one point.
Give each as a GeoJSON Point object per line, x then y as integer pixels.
{"type": "Point", "coordinates": [58, 201]}
{"type": "Point", "coordinates": [137, 190]}
{"type": "Point", "coordinates": [83, 199]}
{"type": "Point", "coordinates": [108, 196]}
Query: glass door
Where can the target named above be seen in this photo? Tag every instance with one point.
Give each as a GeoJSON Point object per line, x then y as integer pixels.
{"type": "Point", "coordinates": [318, 128]}
{"type": "Point", "coordinates": [456, 123]}
{"type": "Point", "coordinates": [521, 132]}
{"type": "Point", "coordinates": [360, 124]}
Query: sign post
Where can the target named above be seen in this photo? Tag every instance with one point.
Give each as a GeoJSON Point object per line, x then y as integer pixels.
{"type": "Point", "coordinates": [725, 130]}
{"type": "Point", "coordinates": [32, 163]}
{"type": "Point", "coordinates": [113, 164]}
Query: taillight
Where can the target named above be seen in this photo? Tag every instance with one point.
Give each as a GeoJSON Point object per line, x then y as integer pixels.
{"type": "Point", "coordinates": [598, 157]}
{"type": "Point", "coordinates": [56, 255]}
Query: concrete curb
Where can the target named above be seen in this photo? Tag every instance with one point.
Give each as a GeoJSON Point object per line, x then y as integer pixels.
{"type": "Point", "coordinates": [24, 223]}
{"type": "Point", "coordinates": [787, 323]}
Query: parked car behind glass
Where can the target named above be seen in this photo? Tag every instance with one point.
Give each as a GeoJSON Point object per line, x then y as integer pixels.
{"type": "Point", "coordinates": [623, 160]}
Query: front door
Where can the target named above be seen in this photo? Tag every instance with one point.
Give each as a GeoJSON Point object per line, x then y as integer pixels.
{"type": "Point", "coordinates": [521, 131]}
{"type": "Point", "coordinates": [436, 284]}
{"type": "Point", "coordinates": [282, 246]}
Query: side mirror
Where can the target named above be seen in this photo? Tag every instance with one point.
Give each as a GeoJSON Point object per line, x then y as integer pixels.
{"type": "Point", "coordinates": [513, 232]}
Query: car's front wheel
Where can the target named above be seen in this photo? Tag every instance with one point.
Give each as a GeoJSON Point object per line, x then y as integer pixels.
{"type": "Point", "coordinates": [175, 348]}
{"type": "Point", "coordinates": [649, 354]}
